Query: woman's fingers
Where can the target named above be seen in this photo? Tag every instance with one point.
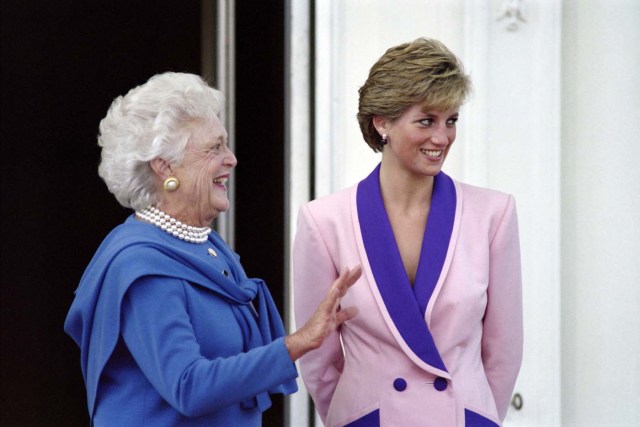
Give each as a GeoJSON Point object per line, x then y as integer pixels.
{"type": "Point", "coordinates": [340, 287]}
{"type": "Point", "coordinates": [346, 279]}
{"type": "Point", "coordinates": [349, 276]}
{"type": "Point", "coordinates": [345, 314]}
{"type": "Point", "coordinates": [327, 317]}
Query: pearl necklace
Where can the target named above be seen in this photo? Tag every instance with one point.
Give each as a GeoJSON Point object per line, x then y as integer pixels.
{"type": "Point", "coordinates": [172, 226]}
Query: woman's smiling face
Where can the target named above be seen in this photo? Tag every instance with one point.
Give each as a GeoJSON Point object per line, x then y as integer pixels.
{"type": "Point", "coordinates": [419, 140]}
{"type": "Point", "coordinates": [203, 176]}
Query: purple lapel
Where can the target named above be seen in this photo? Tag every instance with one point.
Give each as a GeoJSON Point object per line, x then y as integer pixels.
{"type": "Point", "coordinates": [407, 305]}
{"type": "Point", "coordinates": [437, 236]}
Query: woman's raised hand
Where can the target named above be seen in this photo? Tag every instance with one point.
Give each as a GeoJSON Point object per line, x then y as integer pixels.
{"type": "Point", "coordinates": [328, 316]}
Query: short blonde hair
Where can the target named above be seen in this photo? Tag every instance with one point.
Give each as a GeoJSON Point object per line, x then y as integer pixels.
{"type": "Point", "coordinates": [423, 72]}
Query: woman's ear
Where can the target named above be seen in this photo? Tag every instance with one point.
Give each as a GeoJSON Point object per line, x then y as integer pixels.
{"type": "Point", "coordinates": [161, 167]}
{"type": "Point", "coordinates": [380, 123]}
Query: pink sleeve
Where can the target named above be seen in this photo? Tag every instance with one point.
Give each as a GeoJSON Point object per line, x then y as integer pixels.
{"type": "Point", "coordinates": [313, 273]}
{"type": "Point", "coordinates": [502, 338]}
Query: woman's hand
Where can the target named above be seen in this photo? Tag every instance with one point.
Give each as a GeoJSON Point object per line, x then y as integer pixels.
{"type": "Point", "coordinates": [327, 317]}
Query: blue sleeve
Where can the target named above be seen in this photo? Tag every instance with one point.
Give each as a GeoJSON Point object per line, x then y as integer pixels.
{"type": "Point", "coordinates": [157, 330]}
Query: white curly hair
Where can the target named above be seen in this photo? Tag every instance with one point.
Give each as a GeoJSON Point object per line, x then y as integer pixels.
{"type": "Point", "coordinates": [151, 120]}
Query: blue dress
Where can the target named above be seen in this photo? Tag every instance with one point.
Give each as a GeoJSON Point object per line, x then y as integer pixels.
{"type": "Point", "coordinates": [174, 333]}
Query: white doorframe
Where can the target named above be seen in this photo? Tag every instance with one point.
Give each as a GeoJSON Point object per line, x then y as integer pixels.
{"type": "Point", "coordinates": [297, 164]}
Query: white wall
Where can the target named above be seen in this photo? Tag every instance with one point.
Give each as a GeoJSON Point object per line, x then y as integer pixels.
{"type": "Point", "coordinates": [601, 213]}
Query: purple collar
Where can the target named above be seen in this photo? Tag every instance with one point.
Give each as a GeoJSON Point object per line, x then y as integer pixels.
{"type": "Point", "coordinates": [406, 304]}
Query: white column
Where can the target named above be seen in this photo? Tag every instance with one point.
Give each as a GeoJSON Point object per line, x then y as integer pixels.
{"type": "Point", "coordinates": [601, 213]}
{"type": "Point", "coordinates": [297, 161]}
{"type": "Point", "coordinates": [226, 82]}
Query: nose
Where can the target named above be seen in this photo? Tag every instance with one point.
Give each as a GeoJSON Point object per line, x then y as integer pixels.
{"type": "Point", "coordinates": [230, 159]}
{"type": "Point", "coordinates": [440, 136]}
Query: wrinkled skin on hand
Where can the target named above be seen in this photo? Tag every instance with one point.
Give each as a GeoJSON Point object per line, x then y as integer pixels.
{"type": "Point", "coordinates": [328, 316]}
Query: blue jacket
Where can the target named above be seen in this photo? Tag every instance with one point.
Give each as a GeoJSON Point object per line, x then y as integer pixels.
{"type": "Point", "coordinates": [174, 333]}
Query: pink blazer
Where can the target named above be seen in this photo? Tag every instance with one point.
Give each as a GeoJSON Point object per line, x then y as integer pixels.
{"type": "Point", "coordinates": [445, 352]}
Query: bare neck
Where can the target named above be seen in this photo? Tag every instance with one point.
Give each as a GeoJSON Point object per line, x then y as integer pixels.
{"type": "Point", "coordinates": [405, 192]}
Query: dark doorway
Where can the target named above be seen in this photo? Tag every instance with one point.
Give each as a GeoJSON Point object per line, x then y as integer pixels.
{"type": "Point", "coordinates": [259, 176]}
{"type": "Point", "coordinates": [62, 64]}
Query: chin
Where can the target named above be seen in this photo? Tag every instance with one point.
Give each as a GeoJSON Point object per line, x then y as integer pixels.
{"type": "Point", "coordinates": [221, 209]}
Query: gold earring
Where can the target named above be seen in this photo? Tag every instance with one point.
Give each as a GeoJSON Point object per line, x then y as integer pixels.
{"type": "Point", "coordinates": [171, 183]}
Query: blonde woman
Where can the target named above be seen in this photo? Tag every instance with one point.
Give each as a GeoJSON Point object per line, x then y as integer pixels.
{"type": "Point", "coordinates": [438, 338]}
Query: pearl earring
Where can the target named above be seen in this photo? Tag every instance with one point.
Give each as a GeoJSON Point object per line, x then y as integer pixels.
{"type": "Point", "coordinates": [171, 184]}
{"type": "Point", "coordinates": [384, 139]}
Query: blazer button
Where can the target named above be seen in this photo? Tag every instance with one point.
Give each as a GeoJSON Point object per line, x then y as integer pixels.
{"type": "Point", "coordinates": [440, 384]}
{"type": "Point", "coordinates": [399, 384]}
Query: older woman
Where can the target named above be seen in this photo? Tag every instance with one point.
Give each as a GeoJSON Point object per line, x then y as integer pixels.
{"type": "Point", "coordinates": [438, 341]}
{"type": "Point", "coordinates": [172, 332]}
